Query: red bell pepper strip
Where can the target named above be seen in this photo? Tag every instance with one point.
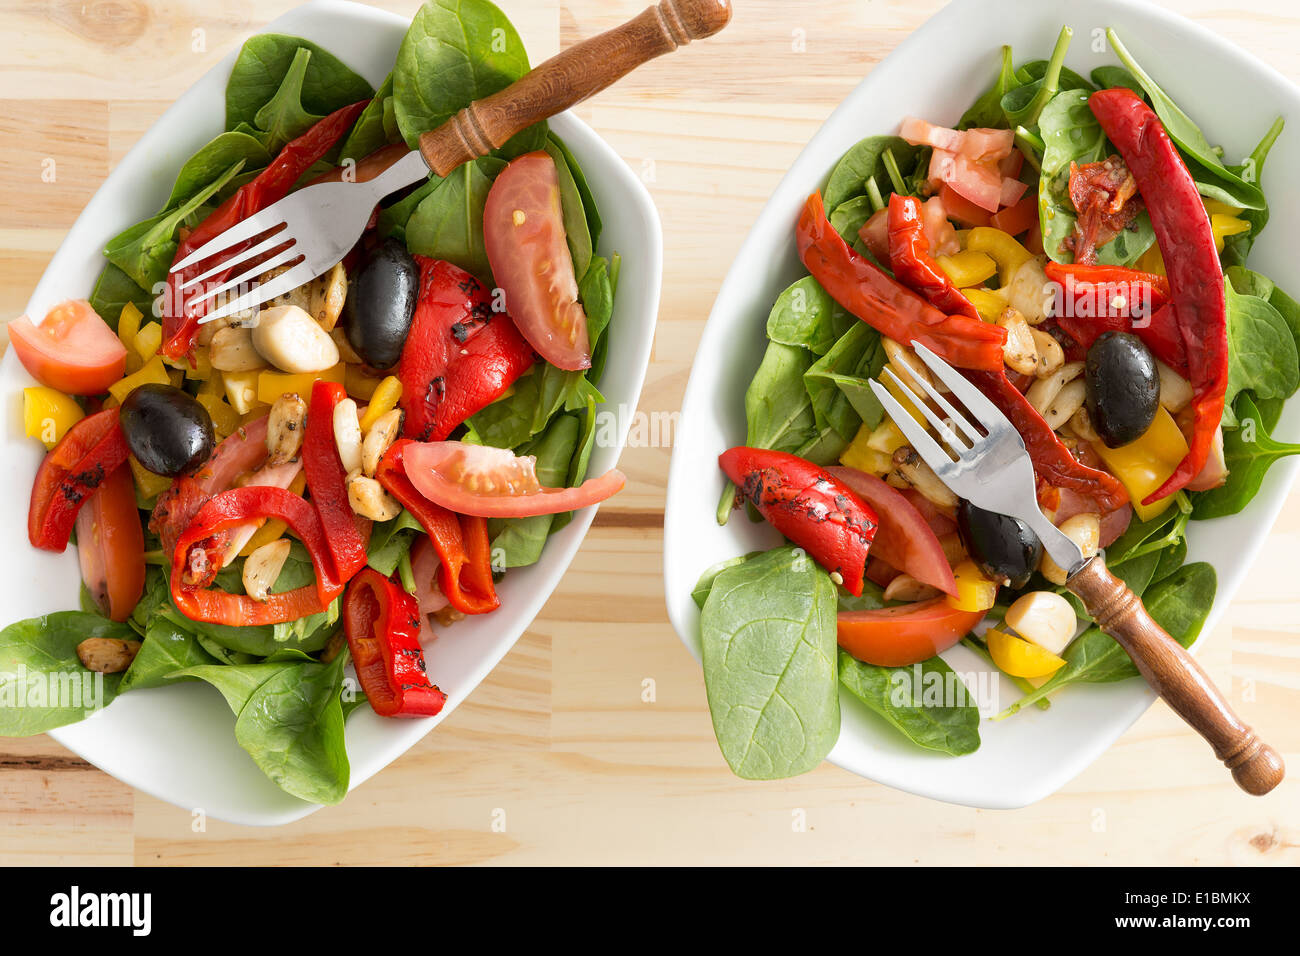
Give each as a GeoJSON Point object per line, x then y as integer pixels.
{"type": "Point", "coordinates": [459, 357]}
{"type": "Point", "coordinates": [808, 505]}
{"type": "Point", "coordinates": [327, 482]}
{"type": "Point", "coordinates": [461, 541]}
{"type": "Point", "coordinates": [180, 317]}
{"type": "Point", "coordinates": [909, 257]}
{"type": "Point", "coordinates": [1182, 228]}
{"type": "Point", "coordinates": [382, 624]}
{"type": "Point", "coordinates": [197, 559]}
{"type": "Point", "coordinates": [91, 451]}
{"type": "Point", "coordinates": [886, 304]}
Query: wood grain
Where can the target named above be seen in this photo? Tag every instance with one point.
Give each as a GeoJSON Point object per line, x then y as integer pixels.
{"type": "Point", "coordinates": [561, 738]}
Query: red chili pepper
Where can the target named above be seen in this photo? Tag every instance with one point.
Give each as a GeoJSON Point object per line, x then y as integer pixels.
{"type": "Point", "coordinates": [460, 356]}
{"type": "Point", "coordinates": [461, 541]}
{"type": "Point", "coordinates": [886, 304]}
{"type": "Point", "coordinates": [808, 505]}
{"type": "Point", "coordinates": [909, 257]}
{"type": "Point", "coordinates": [180, 317]}
{"type": "Point", "coordinates": [91, 451]}
{"type": "Point", "coordinates": [1182, 228]}
{"type": "Point", "coordinates": [197, 559]}
{"type": "Point", "coordinates": [382, 624]}
{"type": "Point", "coordinates": [327, 482]}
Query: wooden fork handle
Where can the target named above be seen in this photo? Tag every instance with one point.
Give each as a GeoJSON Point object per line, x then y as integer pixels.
{"type": "Point", "coordinates": [569, 78]}
{"type": "Point", "coordinates": [1174, 675]}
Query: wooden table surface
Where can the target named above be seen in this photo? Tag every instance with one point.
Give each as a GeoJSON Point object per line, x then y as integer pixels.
{"type": "Point", "coordinates": [558, 742]}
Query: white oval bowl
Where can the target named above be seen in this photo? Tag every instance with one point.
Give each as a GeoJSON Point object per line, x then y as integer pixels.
{"type": "Point", "coordinates": [936, 73]}
{"type": "Point", "coordinates": [177, 743]}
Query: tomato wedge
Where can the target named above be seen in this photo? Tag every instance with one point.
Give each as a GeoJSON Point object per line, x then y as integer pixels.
{"type": "Point", "coordinates": [110, 545]}
{"type": "Point", "coordinates": [906, 634]}
{"type": "Point", "coordinates": [72, 350]}
{"type": "Point", "coordinates": [523, 230]}
{"type": "Point", "coordinates": [493, 483]}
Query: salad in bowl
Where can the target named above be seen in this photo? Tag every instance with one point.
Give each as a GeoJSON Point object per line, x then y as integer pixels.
{"type": "Point", "coordinates": [1079, 250]}
{"type": "Point", "coordinates": [334, 479]}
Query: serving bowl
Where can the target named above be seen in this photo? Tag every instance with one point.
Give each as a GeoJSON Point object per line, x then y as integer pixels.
{"type": "Point", "coordinates": [177, 743]}
{"type": "Point", "coordinates": [936, 73]}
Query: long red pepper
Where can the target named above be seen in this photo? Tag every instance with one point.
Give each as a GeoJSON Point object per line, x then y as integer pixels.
{"type": "Point", "coordinates": [461, 541]}
{"type": "Point", "coordinates": [909, 257]}
{"type": "Point", "coordinates": [1182, 228]}
{"type": "Point", "coordinates": [197, 556]}
{"type": "Point", "coordinates": [91, 451]}
{"type": "Point", "coordinates": [327, 482]}
{"type": "Point", "coordinates": [180, 318]}
{"type": "Point", "coordinates": [382, 624]}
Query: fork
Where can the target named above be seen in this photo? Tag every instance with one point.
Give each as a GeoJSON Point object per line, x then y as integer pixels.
{"type": "Point", "coordinates": [312, 229]}
{"type": "Point", "coordinates": [986, 463]}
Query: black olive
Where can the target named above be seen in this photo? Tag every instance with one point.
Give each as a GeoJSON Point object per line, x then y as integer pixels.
{"type": "Point", "coordinates": [1005, 548]}
{"type": "Point", "coordinates": [381, 303]}
{"type": "Point", "coordinates": [1123, 388]}
{"type": "Point", "coordinates": [166, 429]}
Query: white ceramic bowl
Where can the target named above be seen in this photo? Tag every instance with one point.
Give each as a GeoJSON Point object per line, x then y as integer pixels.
{"type": "Point", "coordinates": [177, 743]}
{"type": "Point", "coordinates": [936, 73]}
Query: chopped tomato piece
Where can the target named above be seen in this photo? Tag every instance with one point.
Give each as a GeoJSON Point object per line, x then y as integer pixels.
{"type": "Point", "coordinates": [961, 208]}
{"type": "Point", "coordinates": [72, 350]}
{"type": "Point", "coordinates": [1017, 218]}
{"type": "Point", "coordinates": [980, 145]}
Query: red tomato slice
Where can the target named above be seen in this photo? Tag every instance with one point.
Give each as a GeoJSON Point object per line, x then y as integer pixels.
{"type": "Point", "coordinates": [523, 229]}
{"type": "Point", "coordinates": [906, 634]}
{"type": "Point", "coordinates": [110, 546]}
{"type": "Point", "coordinates": [72, 350]}
{"type": "Point", "coordinates": [904, 539]}
{"type": "Point", "coordinates": [493, 483]}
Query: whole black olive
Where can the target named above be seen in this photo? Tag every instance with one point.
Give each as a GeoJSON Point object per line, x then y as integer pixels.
{"type": "Point", "coordinates": [1005, 548]}
{"type": "Point", "coordinates": [1122, 388]}
{"type": "Point", "coordinates": [166, 429]}
{"type": "Point", "coordinates": [381, 303]}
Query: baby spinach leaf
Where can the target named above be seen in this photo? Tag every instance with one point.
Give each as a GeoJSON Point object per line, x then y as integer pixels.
{"type": "Point", "coordinates": [778, 409]}
{"type": "Point", "coordinates": [327, 84]}
{"type": "Point", "coordinates": [393, 218]}
{"type": "Point", "coordinates": [448, 223]}
{"type": "Point", "coordinates": [914, 701]}
{"type": "Point", "coordinates": [455, 52]}
{"type": "Point", "coordinates": [212, 160]}
{"type": "Point", "coordinates": [594, 225]}
{"type": "Point", "coordinates": [1023, 104]}
{"type": "Point", "coordinates": [43, 684]}
{"type": "Point", "coordinates": [837, 383]}
{"type": "Point", "coordinates": [1111, 77]}
{"type": "Point", "coordinates": [1236, 248]}
{"type": "Point", "coordinates": [581, 460]}
{"type": "Point", "coordinates": [518, 542]}
{"type": "Point", "coordinates": [390, 540]}
{"type": "Point", "coordinates": [702, 587]}
{"type": "Point", "coordinates": [850, 216]}
{"type": "Point", "coordinates": [283, 117]}
{"type": "Point", "coordinates": [596, 293]}
{"type": "Point", "coordinates": [807, 316]}
{"type": "Point", "coordinates": [768, 637]}
{"type": "Point", "coordinates": [114, 289]}
{"type": "Point", "coordinates": [865, 160]}
{"type": "Point", "coordinates": [166, 649]}
{"type": "Point", "coordinates": [1262, 354]}
{"type": "Point", "coordinates": [1249, 451]}
{"type": "Point", "coordinates": [986, 112]}
{"type": "Point", "coordinates": [369, 132]}
{"type": "Point", "coordinates": [572, 212]}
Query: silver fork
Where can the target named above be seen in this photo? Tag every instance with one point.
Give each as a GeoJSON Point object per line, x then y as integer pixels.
{"type": "Point", "coordinates": [986, 463]}
{"type": "Point", "coordinates": [312, 229]}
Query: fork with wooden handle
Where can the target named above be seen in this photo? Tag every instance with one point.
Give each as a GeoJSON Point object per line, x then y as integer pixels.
{"type": "Point", "coordinates": [991, 469]}
{"type": "Point", "coordinates": [311, 229]}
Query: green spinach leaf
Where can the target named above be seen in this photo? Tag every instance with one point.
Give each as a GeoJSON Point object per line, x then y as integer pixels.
{"type": "Point", "coordinates": [369, 132]}
{"type": "Point", "coordinates": [807, 316]}
{"type": "Point", "coordinates": [518, 542]}
{"type": "Point", "coordinates": [448, 222]}
{"type": "Point", "coordinates": [264, 62]}
{"type": "Point", "coordinates": [865, 161]}
{"type": "Point", "coordinates": [1249, 451]}
{"type": "Point", "coordinates": [167, 648]}
{"type": "Point", "coordinates": [986, 112]}
{"type": "Point", "coordinates": [926, 703]}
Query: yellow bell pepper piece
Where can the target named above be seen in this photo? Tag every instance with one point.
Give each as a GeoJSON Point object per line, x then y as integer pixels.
{"type": "Point", "coordinates": [385, 398]}
{"type": "Point", "coordinates": [908, 405]}
{"type": "Point", "coordinates": [213, 385]}
{"type": "Point", "coordinates": [128, 325]}
{"type": "Point", "coordinates": [359, 384]}
{"type": "Point", "coordinates": [1003, 248]}
{"type": "Point", "coordinates": [273, 528]}
{"type": "Point", "coordinates": [147, 485]}
{"type": "Point", "coordinates": [1151, 261]}
{"type": "Point", "coordinates": [1144, 465]}
{"type": "Point", "coordinates": [862, 456]}
{"type": "Point", "coordinates": [975, 592]}
{"type": "Point", "coordinates": [968, 268]}
{"type": "Point", "coordinates": [1223, 226]}
{"type": "Point", "coordinates": [1213, 206]}
{"type": "Point", "coordinates": [153, 372]}
{"type": "Point", "coordinates": [200, 370]}
{"type": "Point", "coordinates": [990, 304]}
{"type": "Point", "coordinates": [1017, 657]}
{"type": "Point", "coordinates": [48, 414]}
{"type": "Point", "coordinates": [887, 438]}
{"type": "Point", "coordinates": [271, 385]}
{"type": "Point", "coordinates": [224, 418]}
{"type": "Point", "coordinates": [147, 341]}
{"type": "Point", "coordinates": [241, 390]}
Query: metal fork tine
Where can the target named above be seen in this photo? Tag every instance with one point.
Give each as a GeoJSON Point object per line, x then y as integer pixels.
{"type": "Point", "coordinates": [938, 398]}
{"type": "Point", "coordinates": [250, 275]}
{"type": "Point", "coordinates": [250, 228]}
{"type": "Point", "coordinates": [917, 436]}
{"type": "Point", "coordinates": [988, 414]}
{"type": "Point", "coordinates": [239, 258]}
{"type": "Point", "coordinates": [285, 282]}
{"type": "Point", "coordinates": [957, 445]}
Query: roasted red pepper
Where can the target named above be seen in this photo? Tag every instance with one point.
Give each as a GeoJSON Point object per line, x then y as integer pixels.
{"type": "Point", "coordinates": [91, 451]}
{"type": "Point", "coordinates": [197, 559]}
{"type": "Point", "coordinates": [180, 318]}
{"type": "Point", "coordinates": [460, 356]}
{"type": "Point", "coordinates": [327, 483]}
{"type": "Point", "coordinates": [382, 624]}
{"type": "Point", "coordinates": [886, 304]}
{"type": "Point", "coordinates": [1182, 228]}
{"type": "Point", "coordinates": [461, 541]}
{"type": "Point", "coordinates": [909, 257]}
{"type": "Point", "coordinates": [1105, 196]}
{"type": "Point", "coordinates": [808, 505]}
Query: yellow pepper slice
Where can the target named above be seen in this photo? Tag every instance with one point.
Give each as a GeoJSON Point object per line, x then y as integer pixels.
{"type": "Point", "coordinates": [153, 372]}
{"type": "Point", "coordinates": [271, 385]}
{"type": "Point", "coordinates": [147, 485]}
{"type": "Point", "coordinates": [887, 437]}
{"type": "Point", "coordinates": [224, 418]}
{"type": "Point", "coordinates": [975, 592]}
{"type": "Point", "coordinates": [360, 384]}
{"type": "Point", "coordinates": [48, 414]}
{"type": "Point", "coordinates": [908, 405]}
{"type": "Point", "coordinates": [1223, 226]}
{"type": "Point", "coordinates": [1144, 465]}
{"type": "Point", "coordinates": [128, 324]}
{"type": "Point", "coordinates": [988, 303]}
{"type": "Point", "coordinates": [1003, 248]}
{"type": "Point", "coordinates": [1151, 261]}
{"type": "Point", "coordinates": [968, 267]}
{"type": "Point", "coordinates": [147, 341]}
{"type": "Point", "coordinates": [1019, 658]}
{"type": "Point", "coordinates": [385, 398]}
{"type": "Point", "coordinates": [273, 528]}
{"type": "Point", "coordinates": [862, 456]}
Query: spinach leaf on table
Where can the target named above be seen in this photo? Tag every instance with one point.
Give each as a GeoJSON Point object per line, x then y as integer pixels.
{"type": "Point", "coordinates": [768, 637]}
{"type": "Point", "coordinates": [1249, 451]}
{"type": "Point", "coordinates": [448, 223]}
{"type": "Point", "coordinates": [899, 695]}
{"type": "Point", "coordinates": [264, 61]}
{"type": "Point", "coordinates": [986, 112]}
{"type": "Point", "coordinates": [43, 684]}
